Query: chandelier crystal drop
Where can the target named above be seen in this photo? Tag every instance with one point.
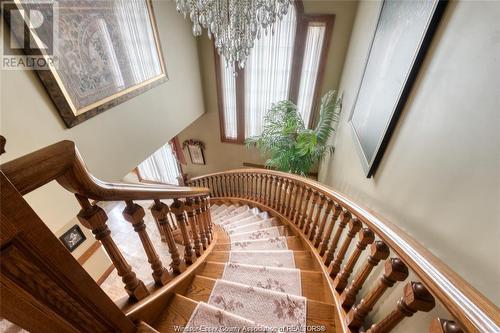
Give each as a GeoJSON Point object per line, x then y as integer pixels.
{"type": "Point", "coordinates": [234, 24]}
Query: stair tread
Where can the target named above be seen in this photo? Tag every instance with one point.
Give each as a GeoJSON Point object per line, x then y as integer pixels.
{"type": "Point", "coordinates": [180, 309]}
{"type": "Point", "coordinates": [177, 313]}
{"type": "Point", "coordinates": [303, 259]}
{"type": "Point", "coordinates": [313, 285]}
{"type": "Point", "coordinates": [293, 243]}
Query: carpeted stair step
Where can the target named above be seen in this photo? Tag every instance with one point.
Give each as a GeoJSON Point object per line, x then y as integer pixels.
{"type": "Point", "coordinates": [302, 259]}
{"type": "Point", "coordinates": [227, 220]}
{"type": "Point", "coordinates": [176, 314]}
{"type": "Point", "coordinates": [211, 317]}
{"type": "Point", "coordinates": [180, 309]}
{"type": "Point", "coordinates": [286, 280]}
{"type": "Point", "coordinates": [292, 243]}
{"type": "Point", "coordinates": [276, 258]}
{"type": "Point", "coordinates": [265, 233]}
{"type": "Point", "coordinates": [243, 222]}
{"type": "Point", "coordinates": [272, 243]}
{"type": "Point", "coordinates": [264, 307]}
{"type": "Point", "coordinates": [253, 226]}
{"type": "Point", "coordinates": [229, 213]}
{"type": "Point", "coordinates": [313, 285]}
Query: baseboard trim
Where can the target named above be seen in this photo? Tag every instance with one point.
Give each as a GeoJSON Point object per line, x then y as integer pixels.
{"type": "Point", "coordinates": [105, 275]}
{"type": "Point", "coordinates": [89, 252]}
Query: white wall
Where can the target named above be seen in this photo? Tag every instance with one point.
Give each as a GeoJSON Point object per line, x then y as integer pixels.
{"type": "Point", "coordinates": [116, 141]}
{"type": "Point", "coordinates": [439, 178]}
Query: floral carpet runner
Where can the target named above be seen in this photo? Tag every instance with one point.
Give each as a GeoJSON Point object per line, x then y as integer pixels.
{"type": "Point", "coordinates": [275, 243]}
{"type": "Point", "coordinates": [277, 258]}
{"type": "Point", "coordinates": [266, 308]}
{"type": "Point", "coordinates": [252, 226]}
{"type": "Point", "coordinates": [259, 234]}
{"type": "Point", "coordinates": [286, 280]}
{"type": "Point", "coordinates": [210, 316]}
{"type": "Point", "coordinates": [260, 286]}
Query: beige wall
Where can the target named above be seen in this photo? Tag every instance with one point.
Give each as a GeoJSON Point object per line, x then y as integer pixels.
{"type": "Point", "coordinates": [222, 156]}
{"type": "Point", "coordinates": [439, 178]}
{"type": "Point", "coordinates": [114, 142]}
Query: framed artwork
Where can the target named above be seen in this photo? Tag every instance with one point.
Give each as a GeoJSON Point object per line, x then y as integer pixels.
{"type": "Point", "coordinates": [101, 53]}
{"type": "Point", "coordinates": [73, 238]}
{"type": "Point", "coordinates": [402, 37]}
{"type": "Point", "coordinates": [195, 149]}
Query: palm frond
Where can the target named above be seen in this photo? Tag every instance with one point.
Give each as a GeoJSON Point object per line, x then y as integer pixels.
{"type": "Point", "coordinates": [289, 145]}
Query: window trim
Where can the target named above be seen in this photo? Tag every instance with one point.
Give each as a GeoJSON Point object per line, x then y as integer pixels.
{"type": "Point", "coordinates": [303, 21]}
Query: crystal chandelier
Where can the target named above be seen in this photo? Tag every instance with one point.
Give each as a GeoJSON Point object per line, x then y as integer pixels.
{"type": "Point", "coordinates": [234, 24]}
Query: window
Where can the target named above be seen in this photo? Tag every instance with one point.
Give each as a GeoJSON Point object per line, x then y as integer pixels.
{"type": "Point", "coordinates": [161, 167]}
{"type": "Point", "coordinates": [283, 65]}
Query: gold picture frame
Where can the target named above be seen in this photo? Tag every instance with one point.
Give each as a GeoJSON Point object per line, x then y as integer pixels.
{"type": "Point", "coordinates": [195, 149]}
{"type": "Point", "coordinates": [97, 38]}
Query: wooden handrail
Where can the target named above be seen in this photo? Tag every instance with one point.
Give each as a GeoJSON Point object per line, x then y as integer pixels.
{"type": "Point", "coordinates": [62, 162]}
{"type": "Point", "coordinates": [473, 311]}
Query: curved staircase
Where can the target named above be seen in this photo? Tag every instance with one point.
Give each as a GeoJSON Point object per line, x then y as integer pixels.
{"type": "Point", "coordinates": [251, 248]}
{"type": "Point", "coordinates": [259, 275]}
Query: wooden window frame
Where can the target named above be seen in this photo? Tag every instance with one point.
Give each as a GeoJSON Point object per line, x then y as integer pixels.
{"type": "Point", "coordinates": [303, 21]}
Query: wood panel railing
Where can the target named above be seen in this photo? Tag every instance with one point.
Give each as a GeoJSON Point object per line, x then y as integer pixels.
{"type": "Point", "coordinates": [335, 226]}
{"type": "Point", "coordinates": [189, 209]}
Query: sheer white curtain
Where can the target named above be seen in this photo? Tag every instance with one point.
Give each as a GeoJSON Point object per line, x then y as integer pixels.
{"type": "Point", "coordinates": [268, 72]}
{"type": "Point", "coordinates": [138, 38]}
{"type": "Point", "coordinates": [161, 167]}
{"type": "Point", "coordinates": [310, 67]}
{"type": "Point", "coordinates": [229, 99]}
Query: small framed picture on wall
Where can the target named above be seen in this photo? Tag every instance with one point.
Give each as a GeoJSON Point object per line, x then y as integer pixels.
{"type": "Point", "coordinates": [195, 149]}
{"type": "Point", "coordinates": [73, 238]}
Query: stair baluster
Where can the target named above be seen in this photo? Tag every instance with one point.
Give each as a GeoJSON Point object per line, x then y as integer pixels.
{"type": "Point", "coordinates": [94, 218]}
{"type": "Point", "coordinates": [311, 212]}
{"type": "Point", "coordinates": [134, 214]}
{"type": "Point", "coordinates": [343, 220]}
{"type": "Point", "coordinates": [415, 298]}
{"type": "Point", "coordinates": [195, 229]}
{"type": "Point", "coordinates": [160, 212]}
{"type": "Point", "coordinates": [199, 218]}
{"type": "Point", "coordinates": [304, 208]}
{"type": "Point", "coordinates": [279, 193]}
{"type": "Point", "coordinates": [290, 198]}
{"type": "Point", "coordinates": [178, 208]}
{"type": "Point", "coordinates": [378, 251]}
{"type": "Point", "coordinates": [319, 210]}
{"type": "Point", "coordinates": [366, 237]}
{"type": "Point", "coordinates": [254, 187]}
{"type": "Point", "coordinates": [394, 270]}
{"type": "Point", "coordinates": [322, 225]}
{"type": "Point", "coordinates": [354, 227]}
{"type": "Point", "coordinates": [284, 196]}
{"type": "Point", "coordinates": [298, 204]}
{"type": "Point", "coordinates": [207, 218]}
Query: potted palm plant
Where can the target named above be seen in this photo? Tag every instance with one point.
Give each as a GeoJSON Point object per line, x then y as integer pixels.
{"type": "Point", "coordinates": [289, 144]}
